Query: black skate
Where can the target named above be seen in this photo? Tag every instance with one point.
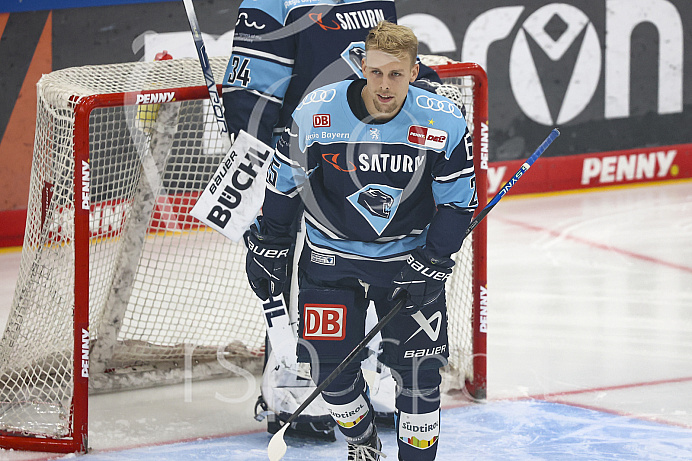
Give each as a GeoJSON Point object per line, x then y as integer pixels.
{"type": "Point", "coordinates": [368, 450]}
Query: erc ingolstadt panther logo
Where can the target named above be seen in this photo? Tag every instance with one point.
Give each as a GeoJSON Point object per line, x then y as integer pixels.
{"type": "Point", "coordinates": [377, 204]}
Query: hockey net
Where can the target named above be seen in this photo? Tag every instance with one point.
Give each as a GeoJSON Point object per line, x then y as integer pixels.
{"type": "Point", "coordinates": [119, 287]}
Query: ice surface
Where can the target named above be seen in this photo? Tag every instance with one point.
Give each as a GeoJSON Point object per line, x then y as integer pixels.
{"type": "Point", "coordinates": [502, 431]}
{"type": "Point", "coordinates": [590, 321]}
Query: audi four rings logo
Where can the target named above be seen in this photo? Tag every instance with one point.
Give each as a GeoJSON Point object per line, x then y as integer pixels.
{"type": "Point", "coordinates": [317, 96]}
{"type": "Point", "coordinates": [438, 105]}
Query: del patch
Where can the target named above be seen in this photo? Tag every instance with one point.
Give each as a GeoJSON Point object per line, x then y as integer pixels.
{"type": "Point", "coordinates": [428, 137]}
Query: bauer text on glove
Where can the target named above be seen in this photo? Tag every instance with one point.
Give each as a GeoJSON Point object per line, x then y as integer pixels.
{"type": "Point", "coordinates": [266, 262]}
{"type": "Point", "coordinates": [421, 280]}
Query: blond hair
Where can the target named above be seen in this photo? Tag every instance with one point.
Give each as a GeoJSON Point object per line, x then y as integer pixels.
{"type": "Point", "coordinates": [399, 41]}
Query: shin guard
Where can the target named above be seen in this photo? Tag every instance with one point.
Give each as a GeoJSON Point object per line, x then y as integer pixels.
{"type": "Point", "coordinates": [418, 420]}
{"type": "Point", "coordinates": [351, 409]}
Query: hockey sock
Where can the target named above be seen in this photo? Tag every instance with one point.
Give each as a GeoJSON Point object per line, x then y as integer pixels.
{"type": "Point", "coordinates": [349, 404]}
{"type": "Point", "coordinates": [418, 419]}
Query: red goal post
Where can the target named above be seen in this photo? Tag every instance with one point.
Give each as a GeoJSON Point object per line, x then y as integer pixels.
{"type": "Point", "coordinates": [478, 122]}
{"type": "Point", "coordinates": [115, 273]}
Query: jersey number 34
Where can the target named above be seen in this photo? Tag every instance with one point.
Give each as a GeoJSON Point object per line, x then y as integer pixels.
{"type": "Point", "coordinates": [240, 72]}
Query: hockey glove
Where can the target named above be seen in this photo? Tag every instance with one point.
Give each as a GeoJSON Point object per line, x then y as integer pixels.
{"type": "Point", "coordinates": [266, 262]}
{"type": "Point", "coordinates": [421, 280]}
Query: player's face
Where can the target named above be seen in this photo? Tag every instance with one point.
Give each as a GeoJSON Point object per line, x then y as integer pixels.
{"type": "Point", "coordinates": [388, 78]}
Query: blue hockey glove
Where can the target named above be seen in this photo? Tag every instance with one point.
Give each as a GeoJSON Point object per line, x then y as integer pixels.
{"type": "Point", "coordinates": [266, 262]}
{"type": "Point", "coordinates": [421, 280]}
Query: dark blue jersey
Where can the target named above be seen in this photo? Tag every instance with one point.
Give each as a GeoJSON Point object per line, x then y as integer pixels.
{"type": "Point", "coordinates": [371, 191]}
{"type": "Point", "coordinates": [282, 49]}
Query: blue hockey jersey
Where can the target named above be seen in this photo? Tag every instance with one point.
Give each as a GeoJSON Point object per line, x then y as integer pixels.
{"type": "Point", "coordinates": [372, 191]}
{"type": "Point", "coordinates": [282, 49]}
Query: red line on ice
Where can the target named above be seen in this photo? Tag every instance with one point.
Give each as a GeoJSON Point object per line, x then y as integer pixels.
{"type": "Point", "coordinates": [601, 246]}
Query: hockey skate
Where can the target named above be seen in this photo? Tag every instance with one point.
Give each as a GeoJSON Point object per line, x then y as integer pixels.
{"type": "Point", "coordinates": [368, 450]}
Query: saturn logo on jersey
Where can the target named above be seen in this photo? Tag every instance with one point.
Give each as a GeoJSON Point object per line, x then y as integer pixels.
{"type": "Point", "coordinates": [428, 137]}
{"type": "Point", "coordinates": [317, 19]}
{"type": "Point", "coordinates": [324, 322]}
{"type": "Point", "coordinates": [332, 159]}
{"type": "Point", "coordinates": [363, 19]}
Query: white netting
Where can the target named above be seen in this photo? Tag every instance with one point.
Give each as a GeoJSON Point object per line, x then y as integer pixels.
{"type": "Point", "coordinates": [159, 283]}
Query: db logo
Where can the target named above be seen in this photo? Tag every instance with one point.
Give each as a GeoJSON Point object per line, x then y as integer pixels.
{"type": "Point", "coordinates": [321, 121]}
{"type": "Point", "coordinates": [428, 137]}
{"type": "Point", "coordinates": [324, 321]}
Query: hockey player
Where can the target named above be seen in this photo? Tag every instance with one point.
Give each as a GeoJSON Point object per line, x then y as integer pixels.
{"type": "Point", "coordinates": [281, 51]}
{"type": "Point", "coordinates": [385, 173]}
{"type": "Point", "coordinates": [284, 49]}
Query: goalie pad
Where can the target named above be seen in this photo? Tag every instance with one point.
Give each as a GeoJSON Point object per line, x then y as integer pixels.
{"type": "Point", "coordinates": [285, 388]}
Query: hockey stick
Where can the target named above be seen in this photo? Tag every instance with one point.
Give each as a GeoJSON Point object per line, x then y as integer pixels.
{"type": "Point", "coordinates": [508, 185]}
{"type": "Point", "coordinates": [274, 311]}
{"type": "Point", "coordinates": [277, 446]}
{"type": "Point", "coordinates": [280, 325]}
{"type": "Point", "coordinates": [214, 97]}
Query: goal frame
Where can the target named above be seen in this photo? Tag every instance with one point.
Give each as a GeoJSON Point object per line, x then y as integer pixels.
{"type": "Point", "coordinates": [477, 387]}
{"type": "Point", "coordinates": [77, 441]}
